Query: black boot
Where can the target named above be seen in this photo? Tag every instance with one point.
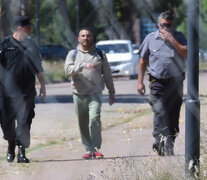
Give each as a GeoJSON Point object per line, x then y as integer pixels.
{"type": "Point", "coordinates": [11, 151]}
{"type": "Point", "coordinates": [158, 146]}
{"type": "Point", "coordinates": [21, 158]}
{"type": "Point", "coordinates": [169, 145]}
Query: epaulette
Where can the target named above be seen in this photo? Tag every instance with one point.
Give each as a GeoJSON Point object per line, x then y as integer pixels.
{"type": "Point", "coordinates": [2, 40]}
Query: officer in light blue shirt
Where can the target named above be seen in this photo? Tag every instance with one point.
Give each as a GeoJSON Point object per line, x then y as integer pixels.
{"type": "Point", "coordinates": [163, 54]}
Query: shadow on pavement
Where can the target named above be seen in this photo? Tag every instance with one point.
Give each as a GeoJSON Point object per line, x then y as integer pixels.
{"type": "Point", "coordinates": [120, 98]}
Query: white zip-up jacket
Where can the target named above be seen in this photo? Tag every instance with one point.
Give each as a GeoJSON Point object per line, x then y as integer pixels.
{"type": "Point", "coordinates": [86, 81]}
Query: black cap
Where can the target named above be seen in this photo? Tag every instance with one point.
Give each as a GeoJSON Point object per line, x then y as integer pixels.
{"type": "Point", "coordinates": [22, 21]}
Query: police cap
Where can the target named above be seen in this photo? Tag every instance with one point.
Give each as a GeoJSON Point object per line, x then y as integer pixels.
{"type": "Point", "coordinates": [22, 21]}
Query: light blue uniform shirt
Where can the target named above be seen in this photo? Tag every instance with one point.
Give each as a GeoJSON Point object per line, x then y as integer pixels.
{"type": "Point", "coordinates": [163, 60]}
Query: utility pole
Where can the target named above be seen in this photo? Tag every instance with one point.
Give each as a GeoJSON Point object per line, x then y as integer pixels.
{"type": "Point", "coordinates": [77, 17]}
{"type": "Point", "coordinates": [111, 19]}
{"type": "Point", "coordinates": [37, 23]}
{"type": "Point", "coordinates": [192, 124]}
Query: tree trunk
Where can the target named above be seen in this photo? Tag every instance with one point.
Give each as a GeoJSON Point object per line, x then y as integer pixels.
{"type": "Point", "coordinates": [65, 16]}
{"type": "Point", "coordinates": [5, 18]}
{"type": "Point", "coordinates": [8, 10]}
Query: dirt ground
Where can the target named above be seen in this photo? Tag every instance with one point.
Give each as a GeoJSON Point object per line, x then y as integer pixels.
{"type": "Point", "coordinates": [56, 148]}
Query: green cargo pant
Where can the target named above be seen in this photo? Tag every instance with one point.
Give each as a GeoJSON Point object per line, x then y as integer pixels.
{"type": "Point", "coordinates": [88, 110]}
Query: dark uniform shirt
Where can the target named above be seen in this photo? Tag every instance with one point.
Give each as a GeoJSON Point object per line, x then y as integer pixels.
{"type": "Point", "coordinates": [19, 64]}
{"type": "Point", "coordinates": [163, 60]}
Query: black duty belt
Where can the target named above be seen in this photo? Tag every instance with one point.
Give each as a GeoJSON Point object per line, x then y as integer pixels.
{"type": "Point", "coordinates": [154, 79]}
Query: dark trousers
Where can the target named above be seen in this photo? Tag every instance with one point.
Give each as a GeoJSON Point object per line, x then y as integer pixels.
{"type": "Point", "coordinates": [20, 109]}
{"type": "Point", "coordinates": [166, 100]}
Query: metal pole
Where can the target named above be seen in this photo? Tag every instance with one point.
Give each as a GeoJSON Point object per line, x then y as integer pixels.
{"type": "Point", "coordinates": [111, 19]}
{"type": "Point", "coordinates": [77, 18]}
{"type": "Point", "coordinates": [192, 125]}
{"type": "Point", "coordinates": [37, 23]}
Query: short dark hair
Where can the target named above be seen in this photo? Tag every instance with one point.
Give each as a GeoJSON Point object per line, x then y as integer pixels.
{"type": "Point", "coordinates": [167, 15]}
{"type": "Point", "coordinates": [87, 29]}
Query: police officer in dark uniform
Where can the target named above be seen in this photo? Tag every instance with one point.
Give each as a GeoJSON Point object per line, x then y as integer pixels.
{"type": "Point", "coordinates": [164, 52]}
{"type": "Point", "coordinates": [20, 62]}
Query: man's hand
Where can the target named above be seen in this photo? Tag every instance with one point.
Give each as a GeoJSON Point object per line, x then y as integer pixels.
{"type": "Point", "coordinates": [41, 79]}
{"type": "Point", "coordinates": [89, 66]}
{"type": "Point", "coordinates": [111, 99]}
{"type": "Point", "coordinates": [42, 93]}
{"type": "Point", "coordinates": [166, 35]}
{"type": "Point", "coordinates": [141, 88]}
{"type": "Point", "coordinates": [142, 68]}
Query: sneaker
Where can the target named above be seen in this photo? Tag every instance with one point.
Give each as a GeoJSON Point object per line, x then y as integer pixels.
{"type": "Point", "coordinates": [88, 155]}
{"type": "Point", "coordinates": [98, 155]}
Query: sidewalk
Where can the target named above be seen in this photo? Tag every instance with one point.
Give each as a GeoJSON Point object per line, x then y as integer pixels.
{"type": "Point", "coordinates": [56, 150]}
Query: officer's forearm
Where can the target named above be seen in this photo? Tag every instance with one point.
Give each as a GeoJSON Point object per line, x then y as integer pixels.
{"type": "Point", "coordinates": [182, 50]}
{"type": "Point", "coordinates": [142, 69]}
{"type": "Point", "coordinates": [41, 79]}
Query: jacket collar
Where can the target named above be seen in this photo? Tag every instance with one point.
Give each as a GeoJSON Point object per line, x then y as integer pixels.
{"type": "Point", "coordinates": [91, 49]}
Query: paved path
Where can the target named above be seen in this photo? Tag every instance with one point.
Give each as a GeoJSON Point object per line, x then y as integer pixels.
{"type": "Point", "coordinates": [56, 149]}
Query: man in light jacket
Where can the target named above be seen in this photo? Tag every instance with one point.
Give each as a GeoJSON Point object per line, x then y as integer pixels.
{"type": "Point", "coordinates": [89, 69]}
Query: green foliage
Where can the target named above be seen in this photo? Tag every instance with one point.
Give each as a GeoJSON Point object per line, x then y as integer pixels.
{"type": "Point", "coordinates": [203, 24]}
{"type": "Point", "coordinates": [124, 10]}
{"type": "Point", "coordinates": [54, 71]}
{"type": "Point", "coordinates": [48, 23]}
{"type": "Point", "coordinates": [53, 28]}
{"type": "Point", "coordinates": [163, 5]}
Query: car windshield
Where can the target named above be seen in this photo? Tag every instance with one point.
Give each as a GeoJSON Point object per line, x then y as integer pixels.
{"type": "Point", "coordinates": [114, 48]}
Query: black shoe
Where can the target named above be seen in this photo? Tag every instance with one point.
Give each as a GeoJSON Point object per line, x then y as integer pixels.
{"type": "Point", "coordinates": [21, 158]}
{"type": "Point", "coordinates": [158, 146]}
{"type": "Point", "coordinates": [10, 156]}
{"type": "Point", "coordinates": [169, 152]}
{"type": "Point", "coordinates": [169, 146]}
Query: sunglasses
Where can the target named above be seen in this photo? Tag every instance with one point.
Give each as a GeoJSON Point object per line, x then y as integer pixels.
{"type": "Point", "coordinates": [165, 25]}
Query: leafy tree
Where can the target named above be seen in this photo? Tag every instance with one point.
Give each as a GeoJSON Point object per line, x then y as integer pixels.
{"type": "Point", "coordinates": [124, 12]}
{"type": "Point", "coordinates": [11, 8]}
{"type": "Point", "coordinates": [203, 24]}
{"type": "Point", "coordinates": [5, 19]}
{"type": "Point", "coordinates": [58, 21]}
{"type": "Point", "coordinates": [58, 17]}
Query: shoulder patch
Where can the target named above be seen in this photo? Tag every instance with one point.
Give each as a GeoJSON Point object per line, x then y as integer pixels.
{"type": "Point", "coordinates": [152, 33]}
{"type": "Point", "coordinates": [3, 40]}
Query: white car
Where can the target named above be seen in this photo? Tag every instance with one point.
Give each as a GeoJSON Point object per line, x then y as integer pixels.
{"type": "Point", "coordinates": [122, 58]}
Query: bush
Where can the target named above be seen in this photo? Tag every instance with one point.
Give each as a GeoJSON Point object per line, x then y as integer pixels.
{"type": "Point", "coordinates": [54, 71]}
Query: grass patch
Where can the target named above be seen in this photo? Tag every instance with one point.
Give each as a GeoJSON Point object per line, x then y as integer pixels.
{"type": "Point", "coordinates": [135, 114]}
{"type": "Point", "coordinates": [54, 71]}
{"type": "Point", "coordinates": [140, 113]}
{"type": "Point", "coordinates": [41, 146]}
{"type": "Point", "coordinates": [2, 158]}
{"type": "Point", "coordinates": [139, 169]}
{"type": "Point", "coordinates": [202, 66]}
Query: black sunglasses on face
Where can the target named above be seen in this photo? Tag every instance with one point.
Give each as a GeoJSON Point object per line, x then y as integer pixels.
{"type": "Point", "coordinates": [165, 25]}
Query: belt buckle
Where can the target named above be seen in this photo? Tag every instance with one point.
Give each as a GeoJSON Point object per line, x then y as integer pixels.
{"type": "Point", "coordinates": [166, 80]}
